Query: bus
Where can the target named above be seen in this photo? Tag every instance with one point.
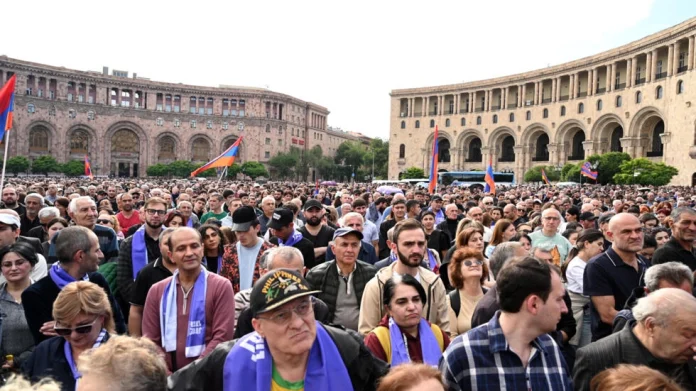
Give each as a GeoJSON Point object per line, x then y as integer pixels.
{"type": "Point", "coordinates": [473, 179]}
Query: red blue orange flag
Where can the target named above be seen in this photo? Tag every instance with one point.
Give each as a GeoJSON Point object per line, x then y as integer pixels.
{"type": "Point", "coordinates": [490, 181]}
{"type": "Point", "coordinates": [433, 165]}
{"type": "Point", "coordinates": [544, 177]}
{"type": "Point", "coordinates": [7, 106]}
{"type": "Point", "coordinates": [586, 170]}
{"type": "Point", "coordinates": [224, 160]}
{"type": "Point", "coordinates": [88, 168]}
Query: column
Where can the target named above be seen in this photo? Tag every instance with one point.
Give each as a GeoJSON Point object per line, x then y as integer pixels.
{"type": "Point", "coordinates": [558, 88]}
{"type": "Point", "coordinates": [631, 76]}
{"type": "Point", "coordinates": [675, 61]}
{"type": "Point", "coordinates": [442, 105]}
{"type": "Point", "coordinates": [608, 75]}
{"type": "Point", "coordinates": [653, 67]}
{"type": "Point", "coordinates": [554, 85]}
{"type": "Point", "coordinates": [504, 104]}
{"type": "Point", "coordinates": [456, 104]}
{"type": "Point", "coordinates": [590, 82]}
{"type": "Point", "coordinates": [670, 58]}
{"type": "Point", "coordinates": [648, 66]}
{"type": "Point", "coordinates": [423, 106]}
{"type": "Point", "coordinates": [472, 97]}
{"type": "Point", "coordinates": [427, 106]}
{"type": "Point", "coordinates": [523, 96]}
{"type": "Point", "coordinates": [690, 55]}
{"type": "Point", "coordinates": [576, 92]}
{"type": "Point", "coordinates": [536, 92]}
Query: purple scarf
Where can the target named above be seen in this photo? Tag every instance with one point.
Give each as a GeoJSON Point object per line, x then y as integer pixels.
{"type": "Point", "coordinates": [399, 348]}
{"type": "Point", "coordinates": [67, 350]}
{"type": "Point", "coordinates": [431, 260]}
{"type": "Point", "coordinates": [61, 277]}
{"type": "Point", "coordinates": [392, 257]}
{"type": "Point", "coordinates": [195, 336]}
{"type": "Point", "coordinates": [189, 222]}
{"type": "Point", "coordinates": [138, 251]}
{"type": "Point", "coordinates": [249, 365]}
{"type": "Point", "coordinates": [294, 238]}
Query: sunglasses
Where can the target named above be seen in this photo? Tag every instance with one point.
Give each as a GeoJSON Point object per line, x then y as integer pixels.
{"type": "Point", "coordinates": [477, 262]}
{"type": "Point", "coordinates": [84, 329]}
{"type": "Point", "coordinates": [104, 221]}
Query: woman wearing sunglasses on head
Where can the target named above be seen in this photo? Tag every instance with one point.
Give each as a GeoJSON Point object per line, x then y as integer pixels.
{"type": "Point", "coordinates": [467, 273]}
{"type": "Point", "coordinates": [83, 321]}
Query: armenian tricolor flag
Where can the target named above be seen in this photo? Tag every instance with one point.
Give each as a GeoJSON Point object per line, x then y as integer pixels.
{"type": "Point", "coordinates": [490, 181]}
{"type": "Point", "coordinates": [586, 170]}
{"type": "Point", "coordinates": [433, 165]}
{"type": "Point", "coordinates": [544, 177]}
{"type": "Point", "coordinates": [7, 106]}
{"type": "Point", "coordinates": [224, 160]}
{"type": "Point", "coordinates": [88, 168]}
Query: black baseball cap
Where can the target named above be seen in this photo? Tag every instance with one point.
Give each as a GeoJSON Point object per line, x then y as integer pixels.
{"type": "Point", "coordinates": [242, 218]}
{"type": "Point", "coordinates": [312, 204]}
{"type": "Point", "coordinates": [281, 218]}
{"type": "Point", "coordinates": [587, 216]}
{"type": "Point", "coordinates": [276, 288]}
{"type": "Point", "coordinates": [436, 197]}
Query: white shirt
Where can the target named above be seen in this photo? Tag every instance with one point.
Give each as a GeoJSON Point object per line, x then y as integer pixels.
{"type": "Point", "coordinates": [574, 274]}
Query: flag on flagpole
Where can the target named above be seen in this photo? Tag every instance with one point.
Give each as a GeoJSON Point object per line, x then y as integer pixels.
{"type": "Point", "coordinates": [7, 106]}
{"type": "Point", "coordinates": [544, 177]}
{"type": "Point", "coordinates": [433, 165]}
{"type": "Point", "coordinates": [490, 181]}
{"type": "Point", "coordinates": [586, 170]}
{"type": "Point", "coordinates": [88, 168]}
{"type": "Point", "coordinates": [316, 187]}
{"type": "Point", "coordinates": [226, 159]}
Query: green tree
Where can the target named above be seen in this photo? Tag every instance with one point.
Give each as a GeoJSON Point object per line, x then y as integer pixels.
{"type": "Point", "coordinates": [254, 170]}
{"type": "Point", "coordinates": [380, 148]}
{"type": "Point", "coordinates": [284, 164]}
{"type": "Point", "coordinates": [44, 165]}
{"type": "Point", "coordinates": [644, 172]}
{"type": "Point", "coordinates": [18, 164]}
{"type": "Point", "coordinates": [182, 168]}
{"type": "Point", "coordinates": [73, 168]}
{"type": "Point", "coordinates": [233, 170]}
{"type": "Point", "coordinates": [609, 165]}
{"type": "Point", "coordinates": [158, 169]}
{"type": "Point", "coordinates": [413, 173]}
{"type": "Point", "coordinates": [564, 171]}
{"type": "Point", "coordinates": [534, 174]}
{"type": "Point", "coordinates": [350, 154]}
{"type": "Point", "coordinates": [573, 173]}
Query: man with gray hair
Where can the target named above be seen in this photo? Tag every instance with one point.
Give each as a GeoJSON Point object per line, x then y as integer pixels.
{"type": "Point", "coordinates": [548, 235]}
{"type": "Point", "coordinates": [663, 339]}
{"type": "Point", "coordinates": [33, 203]}
{"type": "Point", "coordinates": [665, 275]}
{"type": "Point", "coordinates": [45, 216]}
{"type": "Point", "coordinates": [680, 246]}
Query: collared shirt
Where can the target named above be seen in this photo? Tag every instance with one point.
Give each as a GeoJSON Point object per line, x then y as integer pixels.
{"type": "Point", "coordinates": [370, 232]}
{"type": "Point", "coordinates": [482, 359]}
{"type": "Point", "coordinates": [347, 279]}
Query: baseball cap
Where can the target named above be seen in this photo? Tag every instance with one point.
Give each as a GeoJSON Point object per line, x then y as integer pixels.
{"type": "Point", "coordinates": [436, 198]}
{"type": "Point", "coordinates": [587, 216]}
{"type": "Point", "coordinates": [10, 219]}
{"type": "Point", "coordinates": [343, 231]}
{"type": "Point", "coordinates": [276, 288]}
{"type": "Point", "coordinates": [313, 204]}
{"type": "Point", "coordinates": [281, 218]}
{"type": "Point", "coordinates": [605, 217]}
{"type": "Point", "coordinates": [242, 218]}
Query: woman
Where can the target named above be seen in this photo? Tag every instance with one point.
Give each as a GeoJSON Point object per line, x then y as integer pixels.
{"type": "Point", "coordinates": [496, 214]}
{"type": "Point", "coordinates": [230, 236]}
{"type": "Point", "coordinates": [437, 240]}
{"type": "Point", "coordinates": [331, 216]}
{"type": "Point", "coordinates": [62, 204]}
{"type": "Point", "coordinates": [662, 214]}
{"type": "Point", "coordinates": [467, 271]}
{"type": "Point", "coordinates": [571, 235]}
{"type": "Point", "coordinates": [17, 261]}
{"type": "Point", "coordinates": [525, 229]}
{"type": "Point", "coordinates": [105, 205]}
{"type": "Point", "coordinates": [83, 320]}
{"type": "Point", "coordinates": [525, 240]}
{"type": "Point", "coordinates": [53, 227]}
{"type": "Point", "coordinates": [106, 219]}
{"type": "Point", "coordinates": [661, 235]}
{"type": "Point", "coordinates": [213, 246]}
{"type": "Point", "coordinates": [503, 231]}
{"type": "Point", "coordinates": [412, 377]}
{"type": "Point", "coordinates": [471, 237]}
{"type": "Point", "coordinates": [174, 219]}
{"type": "Point", "coordinates": [589, 244]}
{"type": "Point", "coordinates": [625, 377]}
{"type": "Point", "coordinates": [403, 335]}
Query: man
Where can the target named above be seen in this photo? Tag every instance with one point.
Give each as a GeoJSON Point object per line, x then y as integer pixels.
{"type": "Point", "coordinates": [188, 314]}
{"type": "Point", "coordinates": [680, 246]}
{"type": "Point", "coordinates": [399, 211]}
{"type": "Point", "coordinates": [610, 277]}
{"type": "Point", "coordinates": [319, 234]}
{"type": "Point", "coordinates": [240, 263]}
{"type": "Point", "coordinates": [111, 194]}
{"type": "Point", "coordinates": [649, 221]}
{"type": "Point", "coordinates": [449, 226]}
{"type": "Point", "coordinates": [587, 220]}
{"type": "Point", "coordinates": [476, 213]}
{"type": "Point", "coordinates": [288, 347]}
{"type": "Point", "coordinates": [663, 339]}
{"type": "Point", "coordinates": [487, 204]}
{"type": "Point", "coordinates": [436, 207]}
{"type": "Point", "coordinates": [376, 209]}
{"type": "Point", "coordinates": [9, 235]}
{"type": "Point", "coordinates": [232, 205]}
{"type": "Point", "coordinates": [215, 204]}
{"type": "Point", "coordinates": [367, 252]}
{"type": "Point", "coordinates": [199, 207]}
{"type": "Point", "coordinates": [139, 249]}
{"type": "Point", "coordinates": [45, 216]}
{"type": "Point", "coordinates": [548, 235]}
{"type": "Point", "coordinates": [78, 253]}
{"type": "Point", "coordinates": [342, 280]}
{"type": "Point", "coordinates": [410, 246]}
{"type": "Point", "coordinates": [52, 193]}
{"type": "Point", "coordinates": [282, 226]}
{"type": "Point", "coordinates": [510, 212]}
{"type": "Point", "coordinates": [370, 230]}
{"type": "Point", "coordinates": [30, 219]}
{"type": "Point", "coordinates": [521, 214]}
{"type": "Point", "coordinates": [152, 273]}
{"type": "Point", "coordinates": [603, 224]}
{"type": "Point", "coordinates": [186, 210]}
{"type": "Point", "coordinates": [10, 199]}
{"type": "Point", "coordinates": [128, 216]}
{"type": "Point", "coordinates": [513, 350]}
{"type": "Point", "coordinates": [268, 205]}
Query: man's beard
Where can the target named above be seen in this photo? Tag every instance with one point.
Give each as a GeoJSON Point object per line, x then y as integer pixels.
{"type": "Point", "coordinates": [127, 207]}
{"type": "Point", "coordinates": [313, 221]}
{"type": "Point", "coordinates": [409, 261]}
{"type": "Point", "coordinates": [11, 205]}
{"type": "Point", "coordinates": [154, 225]}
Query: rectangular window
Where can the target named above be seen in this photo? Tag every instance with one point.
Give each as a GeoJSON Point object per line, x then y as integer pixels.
{"type": "Point", "coordinates": [210, 111]}
{"type": "Point", "coordinates": [51, 94]}
{"type": "Point", "coordinates": [682, 60]}
{"type": "Point", "coordinates": [158, 107]}
{"type": "Point", "coordinates": [70, 97]}
{"type": "Point", "coordinates": [268, 141]}
{"type": "Point", "coordinates": [80, 98]}
{"type": "Point", "coordinates": [267, 155]}
{"type": "Point", "coordinates": [168, 108]}
{"type": "Point", "coordinates": [201, 110]}
{"type": "Point", "coordinates": [241, 113]}
{"type": "Point", "coordinates": [90, 100]}
{"type": "Point", "coordinates": [234, 113]}
{"type": "Point", "coordinates": [225, 112]}
{"type": "Point", "coordinates": [280, 141]}
{"type": "Point", "coordinates": [192, 110]}
{"type": "Point", "coordinates": [659, 66]}
{"type": "Point", "coordinates": [638, 73]}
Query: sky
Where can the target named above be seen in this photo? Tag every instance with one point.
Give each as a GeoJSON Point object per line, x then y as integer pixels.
{"type": "Point", "coordinates": [345, 56]}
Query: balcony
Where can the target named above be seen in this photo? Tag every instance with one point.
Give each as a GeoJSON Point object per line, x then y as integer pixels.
{"type": "Point", "coordinates": [601, 90]}
{"type": "Point", "coordinates": [640, 81]}
{"type": "Point", "coordinates": [512, 106]}
{"type": "Point", "coordinates": [417, 114]}
{"type": "Point", "coordinates": [450, 112]}
{"type": "Point", "coordinates": [546, 100]}
{"type": "Point", "coordinates": [495, 108]}
{"type": "Point", "coordinates": [582, 94]}
{"type": "Point", "coordinates": [463, 111]}
{"type": "Point", "coordinates": [681, 69]}
{"type": "Point", "coordinates": [660, 75]}
{"type": "Point", "coordinates": [619, 86]}
{"type": "Point", "coordinates": [578, 157]}
{"type": "Point", "coordinates": [540, 159]}
{"type": "Point", "coordinates": [478, 159]}
{"type": "Point", "coordinates": [655, 153]}
{"type": "Point", "coordinates": [478, 110]}
{"type": "Point", "coordinates": [528, 103]}
{"type": "Point", "coordinates": [402, 115]}
{"type": "Point", "coordinates": [506, 159]}
{"type": "Point", "coordinates": [433, 112]}
{"type": "Point", "coordinates": [564, 98]}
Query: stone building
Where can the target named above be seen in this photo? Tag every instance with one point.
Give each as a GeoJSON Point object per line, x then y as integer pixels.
{"type": "Point", "coordinates": [637, 98]}
{"type": "Point", "coordinates": [126, 124]}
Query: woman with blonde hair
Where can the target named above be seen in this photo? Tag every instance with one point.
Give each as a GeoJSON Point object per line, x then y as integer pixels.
{"type": "Point", "coordinates": [83, 321]}
{"type": "Point", "coordinates": [412, 377]}
{"type": "Point", "coordinates": [626, 377]}
{"type": "Point", "coordinates": [467, 272]}
{"type": "Point", "coordinates": [106, 219]}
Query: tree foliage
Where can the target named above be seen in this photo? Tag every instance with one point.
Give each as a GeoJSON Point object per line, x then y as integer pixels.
{"type": "Point", "coordinates": [609, 165]}
{"type": "Point", "coordinates": [644, 172]}
{"type": "Point", "coordinates": [158, 169]}
{"type": "Point", "coordinates": [44, 165]}
{"type": "Point", "coordinates": [380, 149]}
{"type": "Point", "coordinates": [254, 170]}
{"type": "Point", "coordinates": [18, 164]}
{"type": "Point", "coordinates": [233, 170]}
{"type": "Point", "coordinates": [413, 173]}
{"type": "Point", "coordinates": [73, 168]}
{"type": "Point", "coordinates": [534, 174]}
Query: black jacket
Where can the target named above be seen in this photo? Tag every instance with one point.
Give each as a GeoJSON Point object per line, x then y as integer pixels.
{"type": "Point", "coordinates": [383, 229]}
{"type": "Point", "coordinates": [324, 277]}
{"type": "Point", "coordinates": [673, 251]}
{"type": "Point", "coordinates": [206, 373]}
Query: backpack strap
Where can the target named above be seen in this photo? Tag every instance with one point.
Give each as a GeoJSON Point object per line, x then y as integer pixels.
{"type": "Point", "coordinates": [455, 301]}
{"type": "Point", "coordinates": [438, 336]}
{"type": "Point", "coordinates": [382, 334]}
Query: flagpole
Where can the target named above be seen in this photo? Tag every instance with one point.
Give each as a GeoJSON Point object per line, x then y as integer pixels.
{"type": "Point", "coordinates": [4, 161]}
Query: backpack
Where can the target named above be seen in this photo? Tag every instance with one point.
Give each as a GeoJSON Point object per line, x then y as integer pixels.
{"type": "Point", "coordinates": [456, 301]}
{"type": "Point", "coordinates": [382, 334]}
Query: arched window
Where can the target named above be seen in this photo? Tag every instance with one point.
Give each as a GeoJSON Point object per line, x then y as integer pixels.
{"type": "Point", "coordinates": [447, 123]}
{"type": "Point", "coordinates": [619, 101]}
{"type": "Point", "coordinates": [657, 147]}
{"type": "Point", "coordinates": [478, 120]}
{"type": "Point", "coordinates": [542, 148]}
{"type": "Point", "coordinates": [403, 124]}
{"type": "Point", "coordinates": [578, 150]}
{"type": "Point", "coordinates": [639, 97]}
{"type": "Point", "coordinates": [507, 150]}
{"type": "Point", "coordinates": [417, 124]}
{"type": "Point", "coordinates": [546, 113]}
{"type": "Point", "coordinates": [463, 121]}
{"type": "Point", "coordinates": [599, 105]}
{"type": "Point", "coordinates": [529, 115]}
{"type": "Point", "coordinates": [563, 111]}
{"type": "Point", "coordinates": [512, 117]}
{"type": "Point", "coordinates": [268, 128]}
{"type": "Point", "coordinates": [495, 118]}
{"type": "Point", "coordinates": [581, 108]}
{"type": "Point", "coordinates": [38, 139]}
{"type": "Point", "coordinates": [402, 151]}
{"type": "Point", "coordinates": [680, 87]}
{"type": "Point", "coordinates": [475, 150]}
{"type": "Point", "coordinates": [432, 123]}
{"type": "Point", "coordinates": [443, 147]}
{"type": "Point", "coordinates": [658, 92]}
{"type": "Point", "coordinates": [616, 136]}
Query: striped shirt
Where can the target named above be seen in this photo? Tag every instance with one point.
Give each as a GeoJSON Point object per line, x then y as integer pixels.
{"type": "Point", "coordinates": [481, 359]}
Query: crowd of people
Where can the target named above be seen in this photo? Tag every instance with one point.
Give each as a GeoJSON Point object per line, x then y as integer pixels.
{"type": "Point", "coordinates": [136, 284]}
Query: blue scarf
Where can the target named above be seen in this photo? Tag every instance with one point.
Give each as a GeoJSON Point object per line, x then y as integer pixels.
{"type": "Point", "coordinates": [294, 238]}
{"type": "Point", "coordinates": [392, 257]}
{"type": "Point", "coordinates": [195, 336]}
{"type": "Point", "coordinates": [249, 365]}
{"type": "Point", "coordinates": [189, 223]}
{"type": "Point", "coordinates": [399, 349]}
{"type": "Point", "coordinates": [431, 260]}
{"type": "Point", "coordinates": [138, 251]}
{"type": "Point", "coordinates": [61, 277]}
{"type": "Point", "coordinates": [67, 350]}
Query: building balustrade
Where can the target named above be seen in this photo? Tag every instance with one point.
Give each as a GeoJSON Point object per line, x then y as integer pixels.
{"type": "Point", "coordinates": [478, 109]}
{"type": "Point", "coordinates": [463, 111]}
{"type": "Point", "coordinates": [546, 100]}
{"type": "Point", "coordinates": [564, 98]}
{"type": "Point", "coordinates": [661, 75]}
{"type": "Point", "coordinates": [655, 153]}
{"type": "Point", "coordinates": [512, 106]}
{"type": "Point", "coordinates": [576, 157]}
{"type": "Point", "coordinates": [506, 159]}
{"type": "Point", "coordinates": [540, 159]}
{"type": "Point", "coordinates": [495, 108]}
{"type": "Point", "coordinates": [433, 112]}
{"type": "Point", "coordinates": [478, 159]}
{"type": "Point", "coordinates": [619, 86]}
{"type": "Point", "coordinates": [682, 69]}
{"type": "Point", "coordinates": [640, 81]}
{"type": "Point", "coordinates": [601, 90]}
{"type": "Point", "coordinates": [582, 94]}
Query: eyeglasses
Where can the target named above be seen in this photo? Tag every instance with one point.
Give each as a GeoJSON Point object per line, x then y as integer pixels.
{"type": "Point", "coordinates": [19, 262]}
{"type": "Point", "coordinates": [469, 263]}
{"type": "Point", "coordinates": [156, 211]}
{"type": "Point", "coordinates": [84, 329]}
{"type": "Point", "coordinates": [104, 221]}
{"type": "Point", "coordinates": [549, 218]}
{"type": "Point", "coordinates": [283, 317]}
{"type": "Point", "coordinates": [488, 203]}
